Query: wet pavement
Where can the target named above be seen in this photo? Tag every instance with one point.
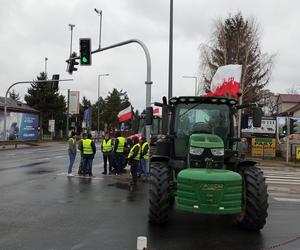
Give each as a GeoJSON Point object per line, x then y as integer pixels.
{"type": "Point", "coordinates": [42, 208]}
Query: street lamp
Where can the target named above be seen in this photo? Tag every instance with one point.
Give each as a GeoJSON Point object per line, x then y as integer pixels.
{"type": "Point", "coordinates": [46, 59]}
{"type": "Point", "coordinates": [98, 115]}
{"type": "Point", "coordinates": [99, 12]}
{"type": "Point", "coordinates": [196, 79]}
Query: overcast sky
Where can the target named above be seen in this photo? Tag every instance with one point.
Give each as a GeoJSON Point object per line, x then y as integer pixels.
{"type": "Point", "coordinates": [31, 30]}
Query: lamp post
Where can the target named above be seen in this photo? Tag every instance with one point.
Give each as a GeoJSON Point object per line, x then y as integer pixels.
{"type": "Point", "coordinates": [46, 60]}
{"type": "Point", "coordinates": [98, 115]}
{"type": "Point", "coordinates": [99, 12]}
{"type": "Point", "coordinates": [196, 79]}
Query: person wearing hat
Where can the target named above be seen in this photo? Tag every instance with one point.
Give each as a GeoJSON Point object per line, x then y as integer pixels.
{"type": "Point", "coordinates": [134, 159]}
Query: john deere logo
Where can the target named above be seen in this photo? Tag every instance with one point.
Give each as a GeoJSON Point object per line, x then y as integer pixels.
{"type": "Point", "coordinates": [211, 186]}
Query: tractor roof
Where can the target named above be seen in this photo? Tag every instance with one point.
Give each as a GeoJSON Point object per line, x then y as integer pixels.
{"type": "Point", "coordinates": [203, 99]}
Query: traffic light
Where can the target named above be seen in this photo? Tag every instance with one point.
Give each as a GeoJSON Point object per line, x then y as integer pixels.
{"type": "Point", "coordinates": [54, 82]}
{"type": "Point", "coordinates": [72, 63]}
{"type": "Point", "coordinates": [85, 51]}
{"type": "Point", "coordinates": [294, 126]}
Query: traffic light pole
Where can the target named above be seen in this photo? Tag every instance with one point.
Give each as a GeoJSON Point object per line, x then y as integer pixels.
{"type": "Point", "coordinates": [148, 77]}
{"type": "Point", "coordinates": [5, 98]}
{"type": "Point", "coordinates": [287, 139]}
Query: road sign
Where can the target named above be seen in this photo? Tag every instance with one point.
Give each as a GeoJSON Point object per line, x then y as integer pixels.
{"type": "Point", "coordinates": [263, 147]}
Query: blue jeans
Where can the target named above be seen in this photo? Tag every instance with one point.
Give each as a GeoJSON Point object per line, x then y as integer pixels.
{"type": "Point", "coordinates": [119, 161]}
{"type": "Point", "coordinates": [72, 157]}
{"type": "Point", "coordinates": [143, 166]}
{"type": "Point", "coordinates": [88, 163]}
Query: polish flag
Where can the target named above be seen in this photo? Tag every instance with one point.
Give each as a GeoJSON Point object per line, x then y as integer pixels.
{"type": "Point", "coordinates": [226, 81]}
{"type": "Point", "coordinates": [125, 114]}
{"type": "Point", "coordinates": [156, 111]}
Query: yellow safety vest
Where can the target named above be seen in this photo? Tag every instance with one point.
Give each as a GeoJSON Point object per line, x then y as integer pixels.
{"type": "Point", "coordinates": [121, 144]}
{"type": "Point", "coordinates": [137, 158]}
{"type": "Point", "coordinates": [87, 147]}
{"type": "Point", "coordinates": [106, 146]}
{"type": "Point", "coordinates": [146, 156]}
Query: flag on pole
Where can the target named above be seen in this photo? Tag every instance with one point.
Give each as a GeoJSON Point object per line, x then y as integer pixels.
{"type": "Point", "coordinates": [226, 81]}
{"type": "Point", "coordinates": [125, 114]}
{"type": "Point", "coordinates": [156, 111]}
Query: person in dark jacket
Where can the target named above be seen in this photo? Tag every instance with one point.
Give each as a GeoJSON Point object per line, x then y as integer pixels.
{"type": "Point", "coordinates": [134, 159]}
{"type": "Point", "coordinates": [88, 149]}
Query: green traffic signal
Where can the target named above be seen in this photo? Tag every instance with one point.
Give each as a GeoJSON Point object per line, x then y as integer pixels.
{"type": "Point", "coordinates": [84, 59]}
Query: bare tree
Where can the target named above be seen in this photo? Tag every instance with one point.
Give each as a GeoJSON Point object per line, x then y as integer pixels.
{"type": "Point", "coordinates": [236, 41]}
{"type": "Point", "coordinates": [269, 101]}
{"type": "Point", "coordinates": [14, 95]}
{"type": "Point", "coordinates": [293, 90]}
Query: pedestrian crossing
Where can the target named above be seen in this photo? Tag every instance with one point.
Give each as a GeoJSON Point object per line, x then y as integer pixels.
{"type": "Point", "coordinates": [282, 177]}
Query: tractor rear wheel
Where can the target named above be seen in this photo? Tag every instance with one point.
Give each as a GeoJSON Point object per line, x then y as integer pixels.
{"type": "Point", "coordinates": [159, 193]}
{"type": "Point", "coordinates": [254, 199]}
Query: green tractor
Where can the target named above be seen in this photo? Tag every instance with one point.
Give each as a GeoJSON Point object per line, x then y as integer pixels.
{"type": "Point", "coordinates": [197, 164]}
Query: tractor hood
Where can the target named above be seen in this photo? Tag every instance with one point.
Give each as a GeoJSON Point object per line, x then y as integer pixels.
{"type": "Point", "coordinates": [206, 141]}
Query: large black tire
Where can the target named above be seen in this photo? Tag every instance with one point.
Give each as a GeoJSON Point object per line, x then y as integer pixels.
{"type": "Point", "coordinates": [159, 193]}
{"type": "Point", "coordinates": [254, 199]}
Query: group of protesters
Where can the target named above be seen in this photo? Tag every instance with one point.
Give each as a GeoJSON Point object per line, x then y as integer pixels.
{"type": "Point", "coordinates": [117, 153]}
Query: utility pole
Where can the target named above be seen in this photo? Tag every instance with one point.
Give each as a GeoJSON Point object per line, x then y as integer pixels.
{"type": "Point", "coordinates": [68, 111]}
{"type": "Point", "coordinates": [170, 94]}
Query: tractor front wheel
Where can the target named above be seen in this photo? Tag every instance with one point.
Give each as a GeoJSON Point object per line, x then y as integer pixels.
{"type": "Point", "coordinates": [159, 193]}
{"type": "Point", "coordinates": [254, 199]}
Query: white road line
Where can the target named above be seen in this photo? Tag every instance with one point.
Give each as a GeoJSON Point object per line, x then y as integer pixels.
{"type": "Point", "coordinates": [83, 177]}
{"type": "Point", "coordinates": [11, 154]}
{"type": "Point", "coordinates": [281, 182]}
{"type": "Point", "coordinates": [59, 156]}
{"type": "Point", "coordinates": [286, 199]}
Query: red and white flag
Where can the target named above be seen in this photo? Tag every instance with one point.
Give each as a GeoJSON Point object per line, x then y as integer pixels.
{"type": "Point", "coordinates": [226, 81]}
{"type": "Point", "coordinates": [156, 111]}
{"type": "Point", "coordinates": [125, 114]}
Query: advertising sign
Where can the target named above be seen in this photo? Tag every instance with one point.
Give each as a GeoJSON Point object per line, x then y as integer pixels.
{"type": "Point", "coordinates": [19, 126]}
{"type": "Point", "coordinates": [268, 126]}
{"type": "Point", "coordinates": [263, 147]}
{"type": "Point", "coordinates": [51, 126]}
{"type": "Point", "coordinates": [74, 102]}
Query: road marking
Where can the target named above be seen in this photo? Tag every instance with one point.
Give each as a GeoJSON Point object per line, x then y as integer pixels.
{"type": "Point", "coordinates": [59, 156]}
{"type": "Point", "coordinates": [11, 154]}
{"type": "Point", "coordinates": [286, 199]}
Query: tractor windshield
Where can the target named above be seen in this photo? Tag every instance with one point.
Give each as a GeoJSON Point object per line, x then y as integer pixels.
{"type": "Point", "coordinates": [212, 118]}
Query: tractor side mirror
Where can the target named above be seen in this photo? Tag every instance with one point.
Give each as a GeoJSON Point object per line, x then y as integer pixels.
{"type": "Point", "coordinates": [149, 116]}
{"type": "Point", "coordinates": [257, 117]}
{"type": "Point", "coordinates": [244, 121]}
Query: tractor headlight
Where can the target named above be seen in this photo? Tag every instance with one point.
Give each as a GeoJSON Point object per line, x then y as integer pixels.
{"type": "Point", "coordinates": [196, 151]}
{"type": "Point", "coordinates": [217, 151]}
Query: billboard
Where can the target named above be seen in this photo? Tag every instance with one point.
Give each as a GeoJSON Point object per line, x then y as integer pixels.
{"type": "Point", "coordinates": [268, 126]}
{"type": "Point", "coordinates": [74, 102]}
{"type": "Point", "coordinates": [19, 126]}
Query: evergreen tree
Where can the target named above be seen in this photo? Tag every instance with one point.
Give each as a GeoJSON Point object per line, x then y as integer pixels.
{"type": "Point", "coordinates": [236, 41]}
{"type": "Point", "coordinates": [48, 101]}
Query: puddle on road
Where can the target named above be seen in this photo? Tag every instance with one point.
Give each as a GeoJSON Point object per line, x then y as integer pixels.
{"type": "Point", "coordinates": [41, 171]}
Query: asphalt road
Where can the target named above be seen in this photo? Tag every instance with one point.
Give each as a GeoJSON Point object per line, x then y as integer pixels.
{"type": "Point", "coordinates": [42, 208]}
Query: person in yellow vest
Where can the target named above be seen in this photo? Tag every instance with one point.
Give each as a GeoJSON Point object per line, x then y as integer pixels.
{"type": "Point", "coordinates": [145, 150]}
{"type": "Point", "coordinates": [119, 152]}
{"type": "Point", "coordinates": [106, 148]}
{"type": "Point", "coordinates": [88, 150]}
{"type": "Point", "coordinates": [134, 159]}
